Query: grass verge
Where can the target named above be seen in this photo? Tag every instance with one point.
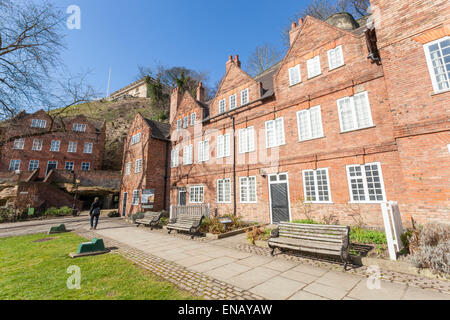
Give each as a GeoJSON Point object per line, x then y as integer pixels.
{"type": "Point", "coordinates": [38, 271]}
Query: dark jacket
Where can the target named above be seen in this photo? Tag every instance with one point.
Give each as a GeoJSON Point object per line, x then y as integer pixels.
{"type": "Point", "coordinates": [95, 209]}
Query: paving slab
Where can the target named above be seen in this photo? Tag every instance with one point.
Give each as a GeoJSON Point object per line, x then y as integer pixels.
{"type": "Point", "coordinates": [212, 264]}
{"type": "Point", "coordinates": [253, 277]}
{"type": "Point", "coordinates": [228, 271]}
{"type": "Point", "coordinates": [255, 261]}
{"type": "Point", "coordinates": [339, 280]}
{"type": "Point", "coordinates": [281, 265]}
{"type": "Point", "coordinates": [326, 291]}
{"type": "Point", "coordinates": [299, 276]}
{"type": "Point", "coordinates": [192, 260]}
{"type": "Point", "coordinates": [387, 291]}
{"type": "Point", "coordinates": [278, 288]}
{"type": "Point", "coordinates": [315, 271]}
{"type": "Point", "coordinates": [303, 295]}
{"type": "Point", "coordinates": [413, 293]}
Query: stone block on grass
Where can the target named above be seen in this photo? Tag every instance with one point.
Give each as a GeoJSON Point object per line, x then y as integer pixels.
{"type": "Point", "coordinates": [59, 229]}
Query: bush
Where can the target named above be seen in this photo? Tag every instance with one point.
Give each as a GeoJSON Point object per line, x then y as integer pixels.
{"type": "Point", "coordinates": [5, 215]}
{"type": "Point", "coordinates": [214, 226]}
{"type": "Point", "coordinates": [114, 214]}
{"type": "Point", "coordinates": [433, 248]}
{"type": "Point", "coordinates": [366, 236]}
{"type": "Point", "coordinates": [55, 212]}
{"type": "Point", "coordinates": [137, 216]}
{"type": "Point", "coordinates": [65, 211]}
{"type": "Point", "coordinates": [258, 234]}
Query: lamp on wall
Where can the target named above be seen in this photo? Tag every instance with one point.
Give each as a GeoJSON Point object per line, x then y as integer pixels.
{"type": "Point", "coordinates": [263, 173]}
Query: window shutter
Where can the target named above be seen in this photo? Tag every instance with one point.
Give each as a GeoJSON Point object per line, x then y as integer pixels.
{"type": "Point", "coordinates": [270, 134]}
{"type": "Point", "coordinates": [316, 122]}
{"type": "Point", "coordinates": [251, 140]}
{"type": "Point", "coordinates": [227, 145]}
{"type": "Point", "coordinates": [279, 124]}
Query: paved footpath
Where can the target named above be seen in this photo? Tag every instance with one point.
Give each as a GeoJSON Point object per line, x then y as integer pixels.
{"type": "Point", "coordinates": [229, 269]}
{"type": "Point", "coordinates": [241, 274]}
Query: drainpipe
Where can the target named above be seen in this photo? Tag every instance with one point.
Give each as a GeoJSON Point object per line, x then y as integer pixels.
{"type": "Point", "coordinates": [234, 166]}
{"type": "Point", "coordinates": [166, 174]}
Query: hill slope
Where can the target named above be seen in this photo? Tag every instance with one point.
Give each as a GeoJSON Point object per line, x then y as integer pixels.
{"type": "Point", "coordinates": [118, 116]}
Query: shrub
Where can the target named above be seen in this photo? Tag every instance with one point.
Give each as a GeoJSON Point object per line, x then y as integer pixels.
{"type": "Point", "coordinates": [366, 236]}
{"type": "Point", "coordinates": [137, 216]}
{"type": "Point", "coordinates": [114, 214]}
{"type": "Point", "coordinates": [257, 233]}
{"type": "Point", "coordinates": [51, 212]}
{"type": "Point", "coordinates": [433, 248]}
{"type": "Point", "coordinates": [306, 221]}
{"type": "Point", "coordinates": [5, 215]}
{"type": "Point", "coordinates": [65, 211]}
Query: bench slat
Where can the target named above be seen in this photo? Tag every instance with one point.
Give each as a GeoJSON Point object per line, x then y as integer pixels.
{"type": "Point", "coordinates": [337, 239]}
{"type": "Point", "coordinates": [312, 250]}
{"type": "Point", "coordinates": [307, 243]}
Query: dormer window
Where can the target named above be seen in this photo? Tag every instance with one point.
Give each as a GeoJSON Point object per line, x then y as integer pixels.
{"type": "Point", "coordinates": [37, 123]}
{"type": "Point", "coordinates": [78, 127]}
{"type": "Point", "coordinates": [244, 97]}
{"type": "Point", "coordinates": [335, 58]}
{"type": "Point", "coordinates": [294, 75]}
{"type": "Point", "coordinates": [314, 67]}
{"type": "Point", "coordinates": [222, 106]}
{"type": "Point", "coordinates": [232, 101]}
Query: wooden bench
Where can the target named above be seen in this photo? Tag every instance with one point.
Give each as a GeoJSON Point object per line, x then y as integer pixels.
{"type": "Point", "coordinates": [150, 219]}
{"type": "Point", "coordinates": [321, 239]}
{"type": "Point", "coordinates": [186, 222]}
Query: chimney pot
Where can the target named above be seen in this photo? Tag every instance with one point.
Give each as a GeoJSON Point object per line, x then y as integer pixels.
{"type": "Point", "coordinates": [300, 22]}
{"type": "Point", "coordinates": [294, 25]}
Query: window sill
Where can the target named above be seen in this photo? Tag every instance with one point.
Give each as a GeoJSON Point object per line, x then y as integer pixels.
{"type": "Point", "coordinates": [437, 93]}
{"type": "Point", "coordinates": [335, 68]}
{"type": "Point", "coordinates": [295, 84]}
{"type": "Point", "coordinates": [360, 129]}
{"type": "Point", "coordinates": [366, 202]}
{"type": "Point", "coordinates": [249, 202]}
{"type": "Point", "coordinates": [306, 140]}
{"type": "Point", "coordinates": [313, 77]}
{"type": "Point", "coordinates": [321, 202]}
{"type": "Point", "coordinates": [278, 146]}
{"type": "Point", "coordinates": [223, 202]}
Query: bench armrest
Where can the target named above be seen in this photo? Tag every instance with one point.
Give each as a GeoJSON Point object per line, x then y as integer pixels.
{"type": "Point", "coordinates": [275, 233]}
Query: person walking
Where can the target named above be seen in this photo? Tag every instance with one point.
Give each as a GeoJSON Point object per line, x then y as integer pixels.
{"type": "Point", "coordinates": [95, 213]}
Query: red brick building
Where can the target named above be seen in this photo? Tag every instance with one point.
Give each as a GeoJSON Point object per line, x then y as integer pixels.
{"type": "Point", "coordinates": [351, 117]}
{"type": "Point", "coordinates": [36, 141]}
{"type": "Point", "coordinates": [145, 174]}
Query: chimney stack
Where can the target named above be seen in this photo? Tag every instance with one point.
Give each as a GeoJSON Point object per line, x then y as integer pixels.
{"type": "Point", "coordinates": [175, 99]}
{"type": "Point", "coordinates": [200, 92]}
{"type": "Point", "coordinates": [237, 61]}
{"type": "Point", "coordinates": [295, 28]}
{"type": "Point", "coordinates": [232, 60]}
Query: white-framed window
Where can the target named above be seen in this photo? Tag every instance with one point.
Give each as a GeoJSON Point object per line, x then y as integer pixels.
{"type": "Point", "coordinates": [244, 97]}
{"type": "Point", "coordinates": [366, 183]}
{"type": "Point", "coordinates": [174, 157]}
{"type": "Point", "coordinates": [185, 122]}
{"type": "Point", "coordinates": [223, 146]}
{"type": "Point", "coordinates": [224, 191]}
{"type": "Point", "coordinates": [294, 75]}
{"type": "Point", "coordinates": [72, 147]}
{"type": "Point", "coordinates": [69, 166]}
{"type": "Point", "coordinates": [128, 168]}
{"type": "Point", "coordinates": [88, 146]}
{"type": "Point", "coordinates": [309, 124]}
{"type": "Point", "coordinates": [335, 58]}
{"type": "Point", "coordinates": [135, 199]}
{"type": "Point", "coordinates": [33, 165]}
{"type": "Point", "coordinates": [247, 140]}
{"type": "Point", "coordinates": [85, 166]}
{"type": "Point", "coordinates": [222, 106]}
{"type": "Point", "coordinates": [314, 67]}
{"type": "Point", "coordinates": [135, 139]}
{"type": "Point", "coordinates": [37, 123]}
{"type": "Point", "coordinates": [19, 144]}
{"type": "Point", "coordinates": [438, 60]}
{"type": "Point", "coordinates": [275, 133]}
{"type": "Point", "coordinates": [138, 166]}
{"type": "Point", "coordinates": [188, 152]}
{"type": "Point", "coordinates": [233, 102]}
{"type": "Point", "coordinates": [37, 145]}
{"type": "Point", "coordinates": [354, 112]}
{"type": "Point", "coordinates": [14, 165]}
{"type": "Point", "coordinates": [79, 127]}
{"type": "Point", "coordinates": [179, 123]}
{"type": "Point", "coordinates": [193, 119]}
{"type": "Point", "coordinates": [55, 145]}
{"type": "Point", "coordinates": [316, 185]}
{"type": "Point", "coordinates": [203, 151]}
{"type": "Point", "coordinates": [196, 194]}
{"type": "Point", "coordinates": [247, 187]}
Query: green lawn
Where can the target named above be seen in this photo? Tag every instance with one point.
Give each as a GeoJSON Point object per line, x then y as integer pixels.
{"type": "Point", "coordinates": [38, 271]}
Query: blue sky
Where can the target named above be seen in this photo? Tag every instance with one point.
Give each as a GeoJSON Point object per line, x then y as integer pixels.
{"type": "Point", "coordinates": [197, 34]}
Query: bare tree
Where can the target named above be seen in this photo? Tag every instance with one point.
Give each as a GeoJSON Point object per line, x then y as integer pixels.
{"type": "Point", "coordinates": [30, 43]}
{"type": "Point", "coordinates": [262, 58]}
{"type": "Point", "coordinates": [322, 9]}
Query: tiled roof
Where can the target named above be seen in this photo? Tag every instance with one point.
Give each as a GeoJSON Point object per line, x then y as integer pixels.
{"type": "Point", "coordinates": [160, 130]}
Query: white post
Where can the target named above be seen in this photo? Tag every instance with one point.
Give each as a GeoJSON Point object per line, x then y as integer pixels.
{"type": "Point", "coordinates": [393, 227]}
{"type": "Point", "coordinates": [171, 212]}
